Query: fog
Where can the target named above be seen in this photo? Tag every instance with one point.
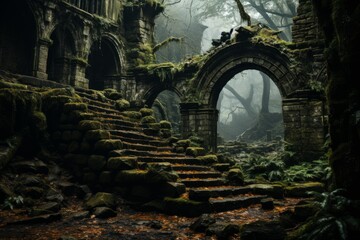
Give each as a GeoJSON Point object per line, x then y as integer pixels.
{"type": "Point", "coordinates": [200, 21]}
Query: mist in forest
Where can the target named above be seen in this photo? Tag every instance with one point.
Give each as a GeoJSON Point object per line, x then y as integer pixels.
{"type": "Point", "coordinates": [198, 22]}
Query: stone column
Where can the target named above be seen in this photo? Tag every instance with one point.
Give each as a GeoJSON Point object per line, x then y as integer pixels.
{"type": "Point", "coordinates": [41, 56]}
{"type": "Point", "coordinates": [305, 126]}
{"type": "Point", "coordinates": [202, 121]}
{"type": "Point", "coordinates": [78, 68]}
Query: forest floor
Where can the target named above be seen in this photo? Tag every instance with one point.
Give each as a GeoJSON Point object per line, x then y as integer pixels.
{"type": "Point", "coordinates": [128, 224]}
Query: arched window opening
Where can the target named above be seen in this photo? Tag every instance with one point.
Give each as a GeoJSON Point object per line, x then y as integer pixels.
{"type": "Point", "coordinates": [17, 37]}
{"type": "Point", "coordinates": [250, 108]}
{"type": "Point", "coordinates": [103, 66]}
{"type": "Point", "coordinates": [61, 53]}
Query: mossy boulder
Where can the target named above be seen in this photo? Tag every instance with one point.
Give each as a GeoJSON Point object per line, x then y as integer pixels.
{"type": "Point", "coordinates": [146, 112]}
{"type": "Point", "coordinates": [157, 176]}
{"type": "Point", "coordinates": [122, 104]}
{"type": "Point", "coordinates": [148, 120]}
{"type": "Point", "coordinates": [235, 176]}
{"type": "Point", "coordinates": [183, 143]}
{"type": "Point", "coordinates": [131, 177]}
{"type": "Point", "coordinates": [101, 199]}
{"type": "Point", "coordinates": [96, 162]}
{"type": "Point", "coordinates": [122, 163]}
{"type": "Point", "coordinates": [86, 125]}
{"type": "Point", "coordinates": [304, 189]}
{"type": "Point", "coordinates": [165, 124]}
{"type": "Point", "coordinates": [209, 158]}
{"type": "Point", "coordinates": [195, 151]}
{"type": "Point", "coordinates": [133, 115]}
{"type": "Point", "coordinates": [165, 133]}
{"type": "Point", "coordinates": [107, 145]}
{"type": "Point", "coordinates": [104, 212]}
{"type": "Point", "coordinates": [273, 190]}
{"type": "Point", "coordinates": [112, 94]}
{"type": "Point", "coordinates": [96, 135]}
{"type": "Point", "coordinates": [72, 106]}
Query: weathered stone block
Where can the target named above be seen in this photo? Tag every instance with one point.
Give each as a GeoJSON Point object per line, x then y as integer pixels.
{"type": "Point", "coordinates": [122, 163]}
{"type": "Point", "coordinates": [96, 135]}
{"type": "Point", "coordinates": [86, 125]}
{"type": "Point", "coordinates": [106, 145]}
{"type": "Point", "coordinates": [96, 162]}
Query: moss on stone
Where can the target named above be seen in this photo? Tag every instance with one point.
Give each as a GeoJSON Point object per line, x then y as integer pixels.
{"type": "Point", "coordinates": [86, 125]}
{"type": "Point", "coordinates": [303, 189]}
{"type": "Point", "coordinates": [112, 94]}
{"type": "Point", "coordinates": [133, 115]}
{"type": "Point", "coordinates": [148, 119]}
{"type": "Point", "coordinates": [185, 207]}
{"type": "Point", "coordinates": [96, 135]}
{"type": "Point", "coordinates": [195, 151]}
{"type": "Point", "coordinates": [122, 104]}
{"type": "Point", "coordinates": [183, 143]}
{"type": "Point", "coordinates": [39, 121]}
{"type": "Point", "coordinates": [107, 145]}
{"type": "Point", "coordinates": [146, 112]}
{"type": "Point", "coordinates": [131, 177]}
{"type": "Point", "coordinates": [101, 199]}
{"type": "Point", "coordinates": [5, 84]}
{"type": "Point", "coordinates": [235, 176]}
{"type": "Point", "coordinates": [165, 124]}
{"type": "Point", "coordinates": [210, 158]}
{"type": "Point", "coordinates": [75, 106]}
{"type": "Point", "coordinates": [122, 163]}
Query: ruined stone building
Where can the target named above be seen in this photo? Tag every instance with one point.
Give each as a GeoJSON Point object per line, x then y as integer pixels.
{"type": "Point", "coordinates": [108, 44]}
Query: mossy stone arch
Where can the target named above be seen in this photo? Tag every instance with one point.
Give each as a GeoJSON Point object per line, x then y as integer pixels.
{"type": "Point", "coordinates": [201, 116]}
{"type": "Point", "coordinates": [237, 57]}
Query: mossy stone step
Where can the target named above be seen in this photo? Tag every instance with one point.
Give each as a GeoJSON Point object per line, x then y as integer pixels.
{"type": "Point", "coordinates": [209, 182]}
{"type": "Point", "coordinates": [102, 109]}
{"type": "Point", "coordinates": [141, 153]}
{"type": "Point", "coordinates": [231, 203]}
{"type": "Point", "coordinates": [181, 160]}
{"type": "Point", "coordinates": [119, 121]}
{"type": "Point", "coordinates": [97, 103]}
{"type": "Point", "coordinates": [131, 134]}
{"type": "Point", "coordinates": [155, 143]}
{"type": "Point", "coordinates": [198, 174]}
{"type": "Point", "coordinates": [121, 127]}
{"type": "Point", "coordinates": [223, 191]}
{"type": "Point", "coordinates": [141, 147]}
{"type": "Point", "coordinates": [186, 167]}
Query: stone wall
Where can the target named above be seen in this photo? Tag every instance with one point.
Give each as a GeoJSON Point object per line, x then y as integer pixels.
{"type": "Point", "coordinates": [305, 124]}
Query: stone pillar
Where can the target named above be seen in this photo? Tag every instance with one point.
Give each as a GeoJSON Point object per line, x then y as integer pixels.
{"type": "Point", "coordinates": [305, 126]}
{"type": "Point", "coordinates": [202, 121]}
{"type": "Point", "coordinates": [78, 68]}
{"type": "Point", "coordinates": [41, 56]}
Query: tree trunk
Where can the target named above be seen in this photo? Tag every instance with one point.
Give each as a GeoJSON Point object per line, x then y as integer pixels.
{"type": "Point", "coordinates": [245, 102]}
{"type": "Point", "coordinates": [266, 93]}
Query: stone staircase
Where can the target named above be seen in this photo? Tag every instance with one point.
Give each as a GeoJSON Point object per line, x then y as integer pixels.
{"type": "Point", "coordinates": [203, 183]}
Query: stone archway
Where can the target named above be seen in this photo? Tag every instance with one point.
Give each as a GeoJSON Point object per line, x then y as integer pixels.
{"type": "Point", "coordinates": [303, 116]}
{"type": "Point", "coordinates": [61, 54]}
{"type": "Point", "coordinates": [104, 70]}
{"type": "Point", "coordinates": [232, 59]}
{"type": "Point", "coordinates": [18, 36]}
